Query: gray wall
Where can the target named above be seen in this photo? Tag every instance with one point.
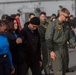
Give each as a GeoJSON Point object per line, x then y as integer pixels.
{"type": "Point", "coordinates": [4, 1]}
{"type": "Point", "coordinates": [48, 6]}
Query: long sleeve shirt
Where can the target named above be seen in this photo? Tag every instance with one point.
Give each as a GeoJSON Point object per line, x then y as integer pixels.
{"type": "Point", "coordinates": [4, 47]}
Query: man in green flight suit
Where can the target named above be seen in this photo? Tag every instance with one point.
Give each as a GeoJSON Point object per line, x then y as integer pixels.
{"type": "Point", "coordinates": [56, 37]}
{"type": "Point", "coordinates": [42, 29]}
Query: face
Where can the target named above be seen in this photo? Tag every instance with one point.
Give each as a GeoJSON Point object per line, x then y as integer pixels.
{"type": "Point", "coordinates": [3, 29]}
{"type": "Point", "coordinates": [64, 16]}
{"type": "Point", "coordinates": [71, 18]}
{"type": "Point", "coordinates": [31, 17]}
{"type": "Point", "coordinates": [15, 25]}
{"type": "Point", "coordinates": [33, 27]}
{"type": "Point", "coordinates": [42, 17]}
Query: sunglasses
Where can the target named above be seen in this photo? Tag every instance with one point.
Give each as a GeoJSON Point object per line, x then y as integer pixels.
{"type": "Point", "coordinates": [65, 16]}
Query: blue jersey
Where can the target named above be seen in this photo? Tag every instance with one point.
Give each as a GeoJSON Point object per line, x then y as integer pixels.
{"type": "Point", "coordinates": [4, 47]}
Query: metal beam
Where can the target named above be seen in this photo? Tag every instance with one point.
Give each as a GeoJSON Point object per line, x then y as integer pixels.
{"type": "Point", "coordinates": [13, 2]}
{"type": "Point", "coordinates": [27, 1]}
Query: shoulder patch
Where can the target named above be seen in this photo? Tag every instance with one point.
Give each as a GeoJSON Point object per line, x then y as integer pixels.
{"type": "Point", "coordinates": [45, 26]}
{"type": "Point", "coordinates": [59, 27]}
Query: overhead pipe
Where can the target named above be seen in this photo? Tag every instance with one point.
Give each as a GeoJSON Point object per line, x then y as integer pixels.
{"type": "Point", "coordinates": [13, 2]}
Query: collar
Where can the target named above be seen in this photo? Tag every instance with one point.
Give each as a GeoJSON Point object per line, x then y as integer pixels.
{"type": "Point", "coordinates": [31, 30]}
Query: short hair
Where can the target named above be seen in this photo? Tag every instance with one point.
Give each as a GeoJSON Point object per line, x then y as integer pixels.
{"type": "Point", "coordinates": [31, 14]}
{"type": "Point", "coordinates": [71, 16]}
{"type": "Point", "coordinates": [18, 14]}
{"type": "Point", "coordinates": [65, 10]}
{"type": "Point", "coordinates": [3, 23]}
{"type": "Point", "coordinates": [4, 16]}
{"type": "Point", "coordinates": [44, 13]}
{"type": "Point", "coordinates": [53, 15]}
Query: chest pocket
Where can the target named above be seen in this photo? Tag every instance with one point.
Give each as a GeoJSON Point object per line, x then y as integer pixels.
{"type": "Point", "coordinates": [58, 32]}
{"type": "Point", "coordinates": [66, 31]}
{"type": "Point", "coordinates": [45, 26]}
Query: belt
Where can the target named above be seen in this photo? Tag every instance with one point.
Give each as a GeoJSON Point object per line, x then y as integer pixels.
{"type": "Point", "coordinates": [5, 55]}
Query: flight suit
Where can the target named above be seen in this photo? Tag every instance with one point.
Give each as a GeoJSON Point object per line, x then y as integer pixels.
{"type": "Point", "coordinates": [48, 20]}
{"type": "Point", "coordinates": [66, 24]}
{"type": "Point", "coordinates": [45, 54]}
{"type": "Point", "coordinates": [67, 58]}
{"type": "Point", "coordinates": [56, 39]}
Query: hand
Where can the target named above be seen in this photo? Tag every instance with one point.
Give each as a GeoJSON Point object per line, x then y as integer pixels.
{"type": "Point", "coordinates": [40, 62]}
{"type": "Point", "coordinates": [18, 40]}
{"type": "Point", "coordinates": [53, 55]}
{"type": "Point", "coordinates": [12, 70]}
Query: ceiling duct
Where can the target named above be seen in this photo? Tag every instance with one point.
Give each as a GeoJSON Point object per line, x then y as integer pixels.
{"type": "Point", "coordinates": [38, 10]}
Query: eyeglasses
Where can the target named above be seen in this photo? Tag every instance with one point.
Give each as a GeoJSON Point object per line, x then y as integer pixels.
{"type": "Point", "coordinates": [65, 16]}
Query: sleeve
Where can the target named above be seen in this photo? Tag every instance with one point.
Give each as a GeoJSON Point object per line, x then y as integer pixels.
{"type": "Point", "coordinates": [72, 39]}
{"type": "Point", "coordinates": [39, 49]}
{"type": "Point", "coordinates": [10, 58]}
{"type": "Point", "coordinates": [11, 41]}
{"type": "Point", "coordinates": [41, 32]}
{"type": "Point", "coordinates": [21, 34]}
{"type": "Point", "coordinates": [49, 36]}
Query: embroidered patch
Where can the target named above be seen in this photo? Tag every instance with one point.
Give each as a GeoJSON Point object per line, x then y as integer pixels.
{"type": "Point", "coordinates": [45, 26]}
{"type": "Point", "coordinates": [59, 26]}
